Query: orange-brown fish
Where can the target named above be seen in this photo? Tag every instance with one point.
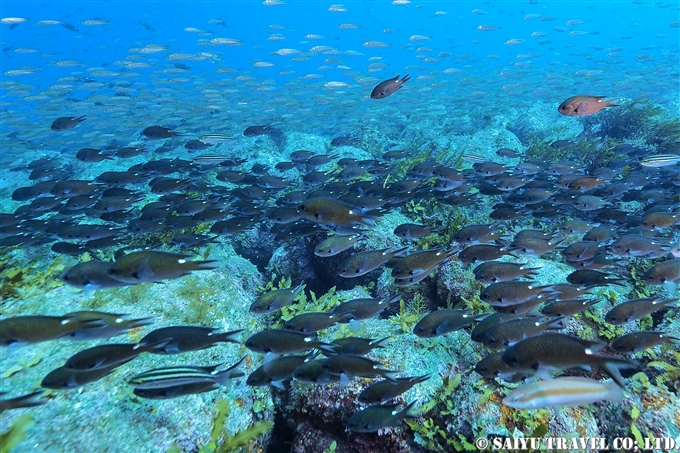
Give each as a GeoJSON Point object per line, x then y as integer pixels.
{"type": "Point", "coordinates": [584, 105]}
{"type": "Point", "coordinates": [387, 87]}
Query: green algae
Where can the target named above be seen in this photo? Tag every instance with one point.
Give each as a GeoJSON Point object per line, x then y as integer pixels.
{"type": "Point", "coordinates": [409, 315]}
{"type": "Point", "coordinates": [22, 278]}
{"type": "Point", "coordinates": [671, 373]}
{"type": "Point", "coordinates": [16, 433]}
{"type": "Point", "coordinates": [222, 442]}
{"type": "Point", "coordinates": [325, 302]}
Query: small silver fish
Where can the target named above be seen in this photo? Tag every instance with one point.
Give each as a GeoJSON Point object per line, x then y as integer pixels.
{"type": "Point", "coordinates": [216, 139]}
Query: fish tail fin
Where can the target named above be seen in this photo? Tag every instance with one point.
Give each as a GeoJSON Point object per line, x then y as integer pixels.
{"type": "Point", "coordinates": [30, 399]}
{"type": "Point", "coordinates": [390, 375]}
{"type": "Point", "coordinates": [407, 412]}
{"type": "Point", "coordinates": [402, 252]}
{"type": "Point", "coordinates": [556, 323]}
{"type": "Point", "coordinates": [592, 302]}
{"type": "Point", "coordinates": [610, 103]}
{"type": "Point", "coordinates": [379, 343]}
{"type": "Point", "coordinates": [79, 118]}
{"type": "Point", "coordinates": [420, 379]}
{"type": "Point", "coordinates": [299, 289]}
{"type": "Point", "coordinates": [224, 376]}
{"type": "Point", "coordinates": [614, 393]}
{"type": "Point", "coordinates": [139, 322]}
{"type": "Point", "coordinates": [278, 384]}
{"type": "Point", "coordinates": [345, 317]}
{"type": "Point", "coordinates": [531, 273]}
{"type": "Point", "coordinates": [228, 336]}
{"type": "Point", "coordinates": [202, 265]}
{"type": "Point", "coordinates": [355, 324]}
{"type": "Point", "coordinates": [671, 286]}
{"type": "Point", "coordinates": [405, 79]}
{"type": "Point", "coordinates": [327, 347]}
{"type": "Point", "coordinates": [611, 369]}
{"type": "Point", "coordinates": [396, 298]}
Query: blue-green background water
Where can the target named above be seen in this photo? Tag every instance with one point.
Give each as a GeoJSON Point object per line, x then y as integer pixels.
{"type": "Point", "coordinates": [464, 81]}
{"type": "Point", "coordinates": [628, 48]}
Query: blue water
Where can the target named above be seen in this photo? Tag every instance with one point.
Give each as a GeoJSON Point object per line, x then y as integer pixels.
{"type": "Point", "coordinates": [535, 55]}
{"type": "Point", "coordinates": [627, 49]}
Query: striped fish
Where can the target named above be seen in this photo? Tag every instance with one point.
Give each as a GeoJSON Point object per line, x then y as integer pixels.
{"type": "Point", "coordinates": [216, 139]}
{"type": "Point", "coordinates": [562, 391]}
{"type": "Point", "coordinates": [660, 160]}
{"type": "Point", "coordinates": [474, 158]}
{"type": "Point", "coordinates": [184, 375]}
{"type": "Point", "coordinates": [210, 159]}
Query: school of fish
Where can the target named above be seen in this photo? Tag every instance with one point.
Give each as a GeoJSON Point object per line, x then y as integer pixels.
{"type": "Point", "coordinates": [190, 189]}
